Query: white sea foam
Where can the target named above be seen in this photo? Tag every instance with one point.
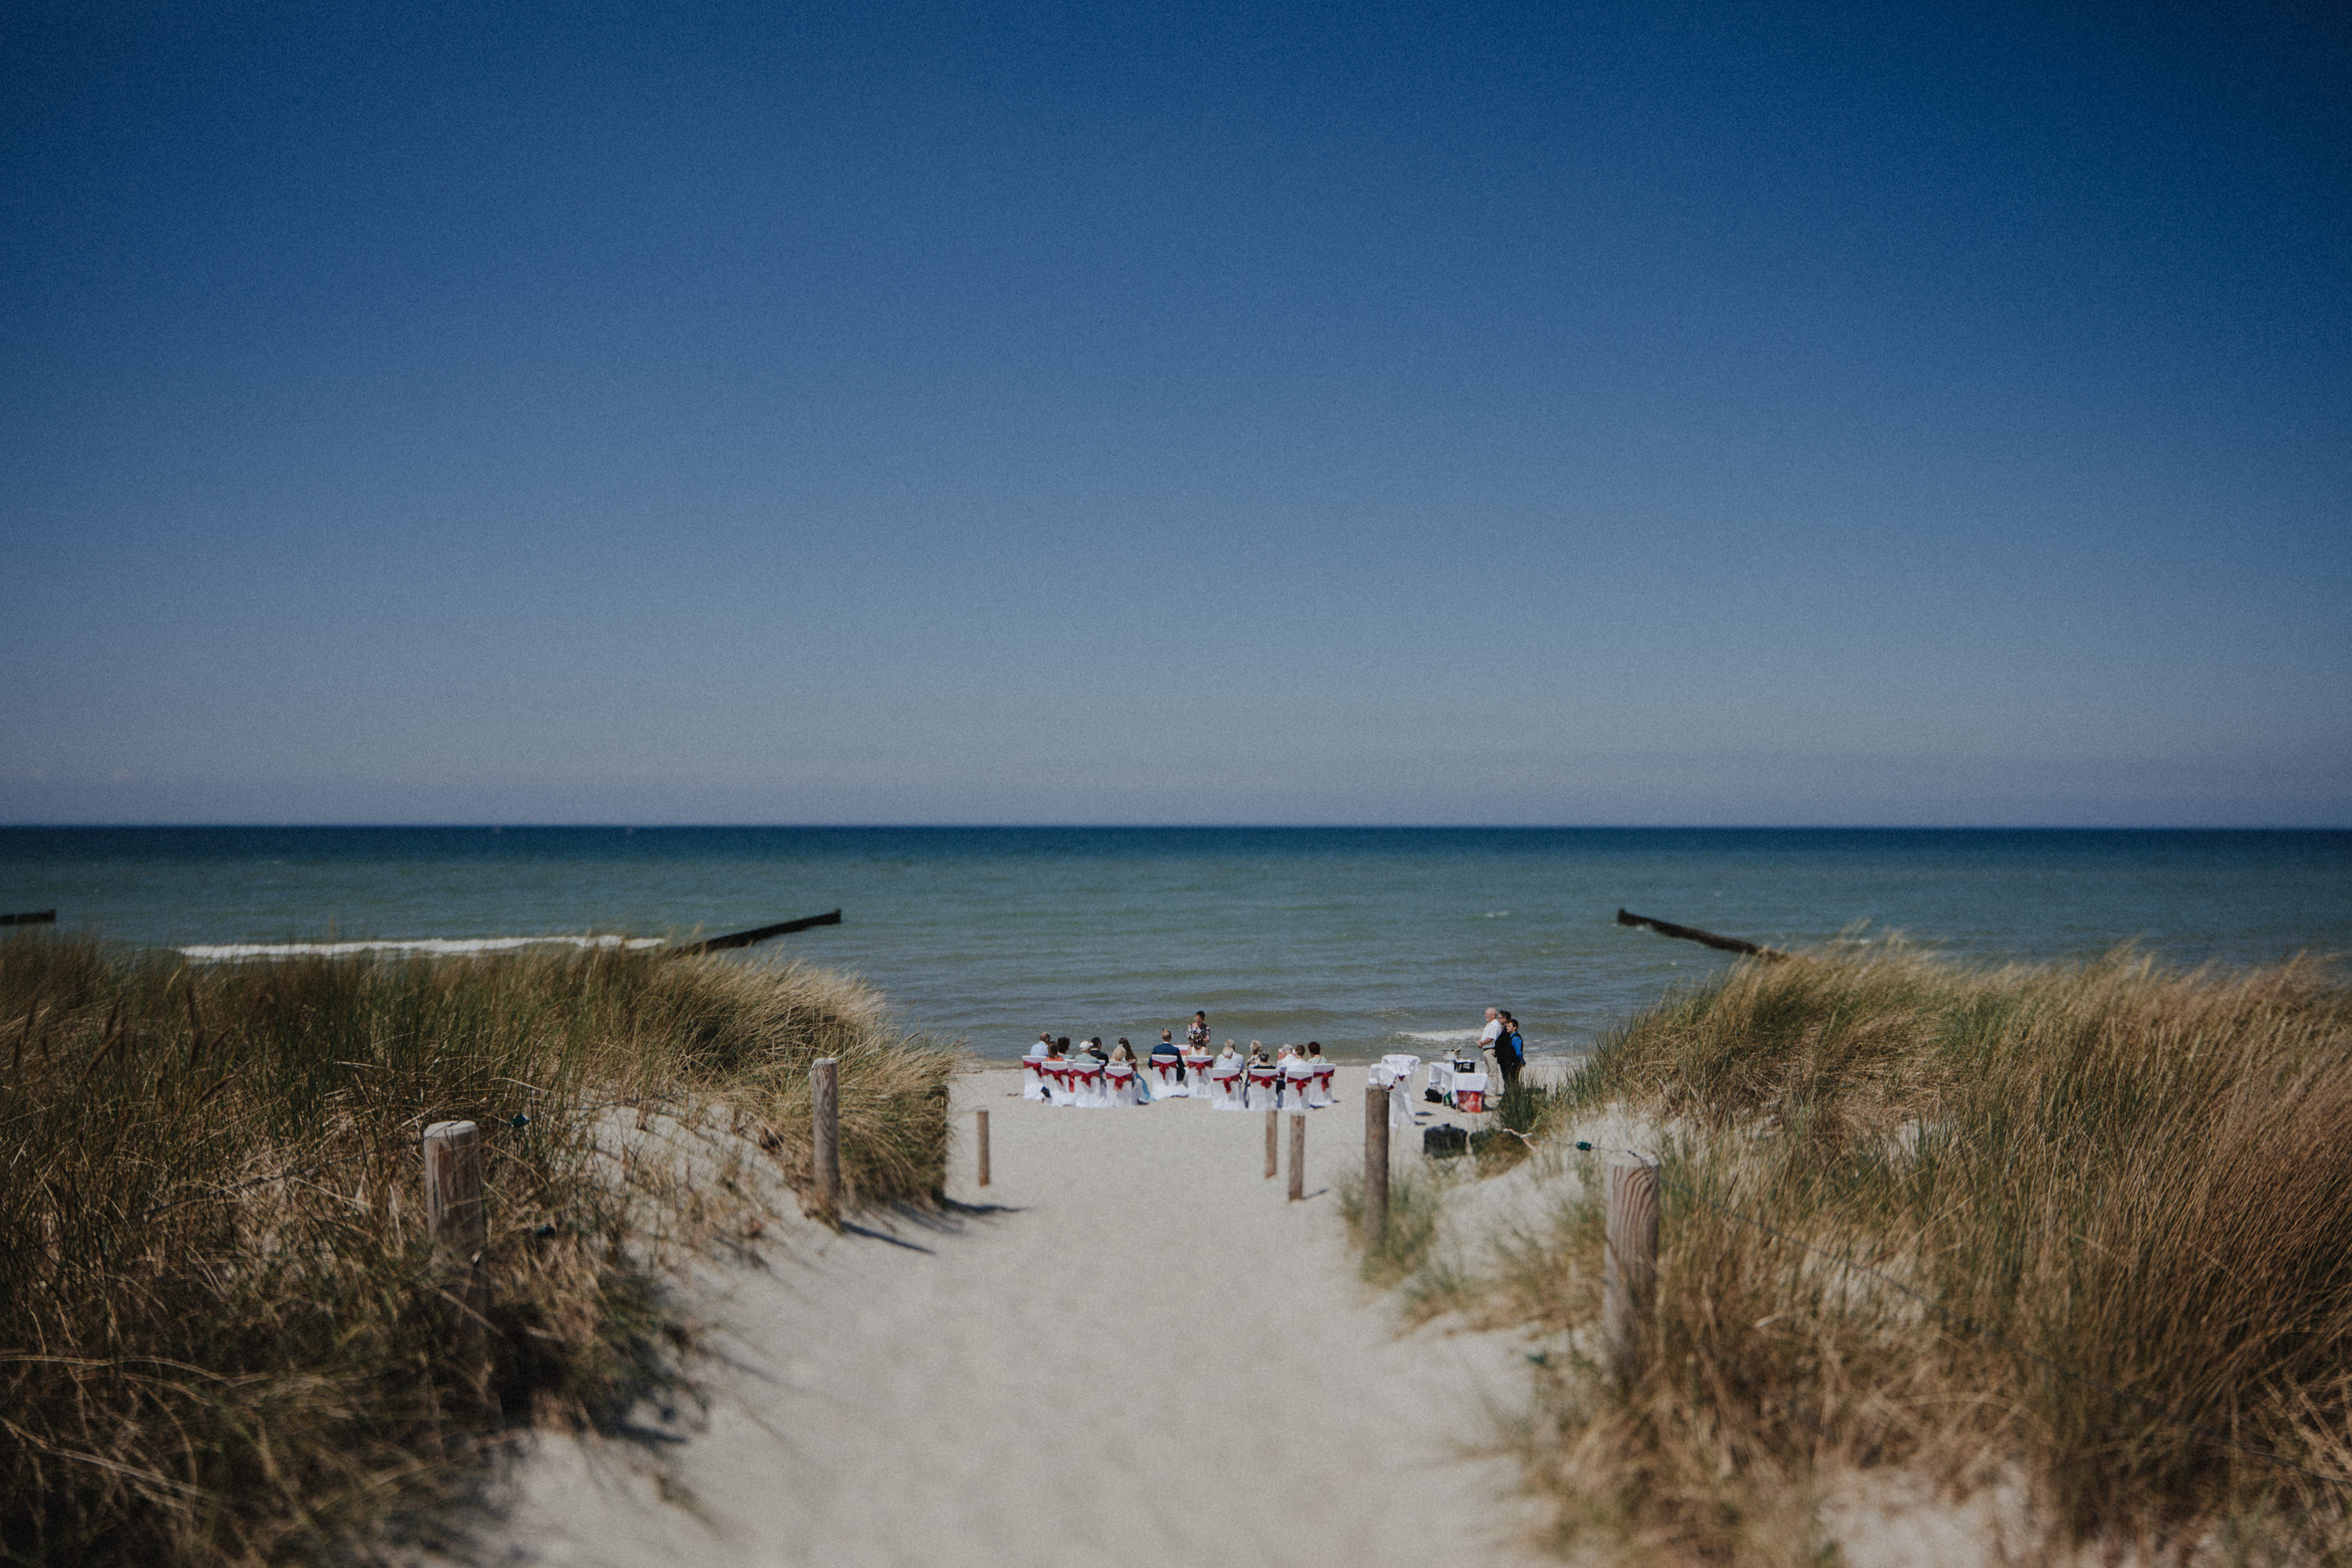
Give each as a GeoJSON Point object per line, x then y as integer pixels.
{"type": "Point", "coordinates": [1439, 1036]}
{"type": "Point", "coordinates": [435, 945]}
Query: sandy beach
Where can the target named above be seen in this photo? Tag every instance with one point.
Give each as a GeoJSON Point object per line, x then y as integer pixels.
{"type": "Point", "coordinates": [1130, 1349]}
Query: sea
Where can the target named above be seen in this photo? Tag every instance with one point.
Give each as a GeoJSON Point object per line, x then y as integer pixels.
{"type": "Point", "coordinates": [1368, 940]}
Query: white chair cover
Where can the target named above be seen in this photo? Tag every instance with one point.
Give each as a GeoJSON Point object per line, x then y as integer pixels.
{"type": "Point", "coordinates": [1093, 1093]}
{"type": "Point", "coordinates": [1226, 1087]}
{"type": "Point", "coordinates": [1401, 1065]}
{"type": "Point", "coordinates": [1196, 1073]}
{"type": "Point", "coordinates": [1060, 1084]}
{"type": "Point", "coordinates": [1470, 1091]}
{"type": "Point", "coordinates": [1264, 1090]}
{"type": "Point", "coordinates": [1163, 1079]}
{"type": "Point", "coordinates": [1033, 1080]}
{"type": "Point", "coordinates": [1120, 1084]}
{"type": "Point", "coordinates": [1394, 1079]}
{"type": "Point", "coordinates": [1298, 1078]}
{"type": "Point", "coordinates": [1319, 1095]}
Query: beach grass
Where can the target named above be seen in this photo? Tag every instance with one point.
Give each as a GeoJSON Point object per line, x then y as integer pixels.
{"type": "Point", "coordinates": [2082, 1230]}
{"type": "Point", "coordinates": [216, 1344]}
{"type": "Point", "coordinates": [1403, 1249]}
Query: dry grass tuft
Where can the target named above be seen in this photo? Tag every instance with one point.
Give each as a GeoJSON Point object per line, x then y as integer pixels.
{"type": "Point", "coordinates": [2140, 1180]}
{"type": "Point", "coordinates": [215, 1345]}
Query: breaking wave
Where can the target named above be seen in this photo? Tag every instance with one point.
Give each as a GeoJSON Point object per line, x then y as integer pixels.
{"type": "Point", "coordinates": [436, 946]}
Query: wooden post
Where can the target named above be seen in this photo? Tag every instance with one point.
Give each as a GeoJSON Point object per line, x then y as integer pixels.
{"type": "Point", "coordinates": [1298, 1155]}
{"type": "Point", "coordinates": [982, 1117]}
{"type": "Point", "coordinates": [458, 1222]}
{"type": "Point", "coordinates": [1629, 1269]}
{"type": "Point", "coordinates": [825, 1096]}
{"type": "Point", "coordinates": [1376, 1164]}
{"type": "Point", "coordinates": [1273, 1134]}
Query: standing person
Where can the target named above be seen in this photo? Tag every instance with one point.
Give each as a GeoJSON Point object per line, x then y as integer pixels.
{"type": "Point", "coordinates": [1511, 1051]}
{"type": "Point", "coordinates": [1196, 1033]}
{"type": "Point", "coordinates": [1493, 1031]}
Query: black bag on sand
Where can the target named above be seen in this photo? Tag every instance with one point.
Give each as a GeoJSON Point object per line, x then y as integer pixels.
{"type": "Point", "coordinates": [1444, 1142]}
{"type": "Point", "coordinates": [1432, 1096]}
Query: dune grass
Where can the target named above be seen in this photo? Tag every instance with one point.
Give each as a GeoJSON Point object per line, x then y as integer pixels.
{"type": "Point", "coordinates": [216, 1345]}
{"type": "Point", "coordinates": [2127, 1192]}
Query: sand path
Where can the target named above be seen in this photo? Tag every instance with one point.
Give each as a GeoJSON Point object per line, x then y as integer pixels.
{"type": "Point", "coordinates": [1138, 1354]}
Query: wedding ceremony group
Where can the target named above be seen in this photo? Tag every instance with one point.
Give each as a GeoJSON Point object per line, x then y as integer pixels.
{"type": "Point", "coordinates": [1298, 1078]}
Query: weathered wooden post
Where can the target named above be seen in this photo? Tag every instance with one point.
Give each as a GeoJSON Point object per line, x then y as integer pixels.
{"type": "Point", "coordinates": [982, 1117]}
{"type": "Point", "coordinates": [1272, 1133]}
{"type": "Point", "coordinates": [1629, 1267]}
{"type": "Point", "coordinates": [1376, 1164]}
{"type": "Point", "coordinates": [825, 1104]}
{"type": "Point", "coordinates": [458, 1222]}
{"type": "Point", "coordinates": [1298, 1155]}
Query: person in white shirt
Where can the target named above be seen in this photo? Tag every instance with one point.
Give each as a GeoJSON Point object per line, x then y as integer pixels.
{"type": "Point", "coordinates": [1492, 1032]}
{"type": "Point", "coordinates": [1295, 1076]}
{"type": "Point", "coordinates": [1033, 1084]}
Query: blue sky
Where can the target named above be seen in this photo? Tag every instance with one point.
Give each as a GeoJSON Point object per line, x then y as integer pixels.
{"type": "Point", "coordinates": [1169, 414]}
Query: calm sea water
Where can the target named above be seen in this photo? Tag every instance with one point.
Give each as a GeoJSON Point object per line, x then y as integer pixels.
{"type": "Point", "coordinates": [1367, 940]}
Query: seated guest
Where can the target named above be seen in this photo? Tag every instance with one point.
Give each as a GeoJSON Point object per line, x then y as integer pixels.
{"type": "Point", "coordinates": [1319, 1093]}
{"type": "Point", "coordinates": [1095, 1049]}
{"type": "Point", "coordinates": [1124, 1052]}
{"type": "Point", "coordinates": [1033, 1082]}
{"type": "Point", "coordinates": [1295, 1076]}
{"type": "Point", "coordinates": [1167, 1047]}
{"type": "Point", "coordinates": [1057, 1083]}
{"type": "Point", "coordinates": [1167, 1069]}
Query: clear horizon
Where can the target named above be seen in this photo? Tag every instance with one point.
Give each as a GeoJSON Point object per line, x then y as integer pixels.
{"type": "Point", "coordinates": [1028, 415]}
{"type": "Point", "coordinates": [1169, 826]}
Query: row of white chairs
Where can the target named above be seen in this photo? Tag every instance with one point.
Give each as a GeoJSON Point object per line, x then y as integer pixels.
{"type": "Point", "coordinates": [1226, 1084]}
{"type": "Point", "coordinates": [1231, 1084]}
